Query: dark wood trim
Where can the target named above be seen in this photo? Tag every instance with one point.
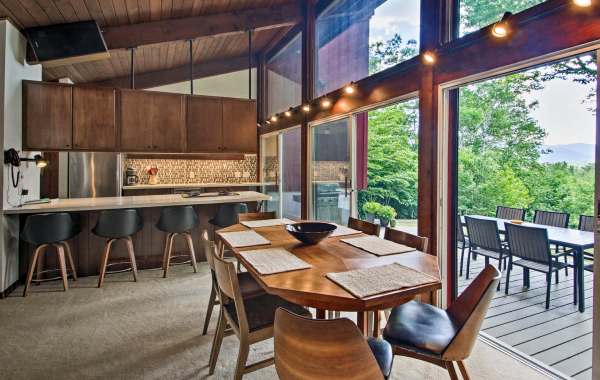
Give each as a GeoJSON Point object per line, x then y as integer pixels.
{"type": "Point", "coordinates": [187, 156]}
{"type": "Point", "coordinates": [129, 36]}
{"type": "Point", "coordinates": [275, 48]}
{"type": "Point", "coordinates": [596, 306]}
{"type": "Point", "coordinates": [178, 74]}
{"type": "Point", "coordinates": [452, 167]}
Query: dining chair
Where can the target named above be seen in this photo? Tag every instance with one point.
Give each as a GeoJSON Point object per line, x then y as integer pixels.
{"type": "Point", "coordinates": [551, 218]}
{"type": "Point", "coordinates": [364, 226]}
{"type": "Point", "coordinates": [510, 213]}
{"type": "Point", "coordinates": [530, 249]}
{"type": "Point", "coordinates": [307, 348]}
{"type": "Point", "coordinates": [249, 216]}
{"type": "Point", "coordinates": [419, 243]}
{"type": "Point", "coordinates": [462, 242]}
{"type": "Point", "coordinates": [248, 286]}
{"type": "Point", "coordinates": [443, 337]}
{"type": "Point", "coordinates": [251, 319]}
{"type": "Point", "coordinates": [484, 240]}
{"type": "Point", "coordinates": [586, 223]}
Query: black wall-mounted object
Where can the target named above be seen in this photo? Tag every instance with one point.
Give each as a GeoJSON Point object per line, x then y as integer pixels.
{"type": "Point", "coordinates": [61, 44]}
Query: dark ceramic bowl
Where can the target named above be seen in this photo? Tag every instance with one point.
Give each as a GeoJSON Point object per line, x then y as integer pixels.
{"type": "Point", "coordinates": [310, 232]}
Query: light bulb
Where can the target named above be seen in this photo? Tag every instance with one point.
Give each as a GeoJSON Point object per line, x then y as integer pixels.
{"type": "Point", "coordinates": [306, 108]}
{"type": "Point", "coordinates": [429, 57]}
{"type": "Point", "coordinates": [582, 3]}
{"type": "Point", "coordinates": [325, 103]}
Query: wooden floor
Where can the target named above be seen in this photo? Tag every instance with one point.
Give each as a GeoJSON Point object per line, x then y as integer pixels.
{"type": "Point", "coordinates": [560, 337]}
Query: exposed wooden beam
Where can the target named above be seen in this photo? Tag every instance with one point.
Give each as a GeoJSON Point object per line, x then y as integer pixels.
{"type": "Point", "coordinates": [127, 36]}
{"type": "Point", "coordinates": [179, 74]}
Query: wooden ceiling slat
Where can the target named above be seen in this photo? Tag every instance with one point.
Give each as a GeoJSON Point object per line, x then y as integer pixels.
{"type": "Point", "coordinates": [66, 10]}
{"type": "Point", "coordinates": [51, 11]}
{"type": "Point", "coordinates": [167, 9]}
{"type": "Point", "coordinates": [13, 14]}
{"type": "Point", "coordinates": [38, 14]}
{"type": "Point", "coordinates": [133, 11]}
{"type": "Point", "coordinates": [120, 12]}
{"type": "Point", "coordinates": [178, 10]}
{"type": "Point", "coordinates": [155, 10]}
{"type": "Point", "coordinates": [80, 9]}
{"type": "Point", "coordinates": [108, 10]}
{"type": "Point", "coordinates": [95, 11]}
{"type": "Point", "coordinates": [144, 9]}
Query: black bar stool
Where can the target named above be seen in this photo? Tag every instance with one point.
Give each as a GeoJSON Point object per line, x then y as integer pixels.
{"type": "Point", "coordinates": [43, 230]}
{"type": "Point", "coordinates": [227, 214]}
{"type": "Point", "coordinates": [117, 225]}
{"type": "Point", "coordinates": [175, 221]}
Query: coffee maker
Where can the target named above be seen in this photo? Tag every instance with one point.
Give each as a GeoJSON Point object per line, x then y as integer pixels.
{"type": "Point", "coordinates": [131, 177]}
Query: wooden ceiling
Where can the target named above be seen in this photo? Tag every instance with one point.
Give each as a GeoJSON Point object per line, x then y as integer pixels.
{"type": "Point", "coordinates": [213, 54]}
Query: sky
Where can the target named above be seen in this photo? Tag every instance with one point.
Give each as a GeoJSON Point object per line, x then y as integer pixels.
{"type": "Point", "coordinates": [563, 110]}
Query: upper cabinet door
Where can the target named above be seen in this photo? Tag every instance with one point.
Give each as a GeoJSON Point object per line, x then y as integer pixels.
{"type": "Point", "coordinates": [136, 121]}
{"type": "Point", "coordinates": [47, 116]}
{"type": "Point", "coordinates": [94, 119]}
{"type": "Point", "coordinates": [204, 124]}
{"type": "Point", "coordinates": [239, 126]}
{"type": "Point", "coordinates": [168, 122]}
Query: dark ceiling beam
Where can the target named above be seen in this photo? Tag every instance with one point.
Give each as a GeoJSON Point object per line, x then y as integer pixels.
{"type": "Point", "coordinates": [179, 74]}
{"type": "Point", "coordinates": [127, 36]}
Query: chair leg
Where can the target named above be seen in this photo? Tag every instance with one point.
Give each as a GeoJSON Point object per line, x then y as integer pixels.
{"type": "Point", "coordinates": [556, 279]}
{"type": "Point", "coordinates": [188, 237]}
{"type": "Point", "coordinates": [548, 284]}
{"type": "Point", "coordinates": [70, 258]}
{"type": "Point", "coordinates": [211, 305]}
{"type": "Point", "coordinates": [463, 370]}
{"type": "Point", "coordinates": [131, 252]}
{"type": "Point", "coordinates": [566, 267]}
{"type": "Point", "coordinates": [60, 250]}
{"type": "Point", "coordinates": [507, 277]}
{"type": "Point", "coordinates": [32, 267]}
{"type": "Point", "coordinates": [468, 264]}
{"type": "Point", "coordinates": [242, 358]}
{"type": "Point", "coordinates": [168, 252]}
{"type": "Point", "coordinates": [462, 257]}
{"type": "Point", "coordinates": [217, 340]}
{"type": "Point", "coordinates": [451, 371]}
{"type": "Point", "coordinates": [104, 261]}
{"type": "Point", "coordinates": [39, 268]}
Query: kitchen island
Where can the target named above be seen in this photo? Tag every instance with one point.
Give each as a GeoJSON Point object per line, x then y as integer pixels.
{"type": "Point", "coordinates": [148, 243]}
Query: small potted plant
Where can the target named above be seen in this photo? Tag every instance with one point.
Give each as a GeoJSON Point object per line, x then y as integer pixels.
{"type": "Point", "coordinates": [385, 215]}
{"type": "Point", "coordinates": [370, 209]}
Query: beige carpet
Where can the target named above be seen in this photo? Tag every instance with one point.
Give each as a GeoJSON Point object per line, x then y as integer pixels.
{"type": "Point", "coordinates": [151, 330]}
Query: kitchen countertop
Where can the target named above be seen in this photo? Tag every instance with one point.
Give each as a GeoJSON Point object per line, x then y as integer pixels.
{"type": "Point", "coordinates": [140, 201]}
{"type": "Point", "coordinates": [194, 185]}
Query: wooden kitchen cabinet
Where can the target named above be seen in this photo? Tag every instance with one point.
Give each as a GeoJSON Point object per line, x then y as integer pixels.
{"type": "Point", "coordinates": [152, 122]}
{"type": "Point", "coordinates": [205, 124]}
{"type": "Point", "coordinates": [94, 119]}
{"type": "Point", "coordinates": [47, 116]}
{"type": "Point", "coordinates": [239, 126]}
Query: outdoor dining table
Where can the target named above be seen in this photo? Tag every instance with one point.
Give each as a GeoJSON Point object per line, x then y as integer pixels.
{"type": "Point", "coordinates": [311, 288]}
{"type": "Point", "coordinates": [577, 240]}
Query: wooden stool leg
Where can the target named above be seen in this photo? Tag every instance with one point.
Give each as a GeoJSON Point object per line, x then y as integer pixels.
{"type": "Point", "coordinates": [170, 237]}
{"type": "Point", "coordinates": [209, 309]}
{"type": "Point", "coordinates": [463, 370]}
{"type": "Point", "coordinates": [39, 268]}
{"type": "Point", "coordinates": [190, 242]}
{"type": "Point", "coordinates": [242, 357]}
{"type": "Point", "coordinates": [165, 249]}
{"type": "Point", "coordinates": [60, 250]}
{"type": "Point", "coordinates": [32, 267]}
{"type": "Point", "coordinates": [129, 243]}
{"type": "Point", "coordinates": [217, 340]}
{"type": "Point", "coordinates": [70, 258]}
{"type": "Point", "coordinates": [104, 262]}
{"type": "Point", "coordinates": [451, 371]}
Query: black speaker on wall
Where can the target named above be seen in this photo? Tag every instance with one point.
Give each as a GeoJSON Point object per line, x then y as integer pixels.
{"type": "Point", "coordinates": [62, 44]}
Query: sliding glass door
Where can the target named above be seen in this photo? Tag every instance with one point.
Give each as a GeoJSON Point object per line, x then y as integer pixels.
{"type": "Point", "coordinates": [331, 174]}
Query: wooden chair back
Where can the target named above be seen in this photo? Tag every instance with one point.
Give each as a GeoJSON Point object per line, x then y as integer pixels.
{"type": "Point", "coordinates": [364, 226]}
{"type": "Point", "coordinates": [510, 213]}
{"type": "Point", "coordinates": [229, 291]}
{"type": "Point", "coordinates": [417, 242]}
{"type": "Point", "coordinates": [210, 249]}
{"type": "Point", "coordinates": [249, 216]}
{"type": "Point", "coordinates": [321, 349]}
{"type": "Point", "coordinates": [551, 218]}
{"type": "Point", "coordinates": [469, 310]}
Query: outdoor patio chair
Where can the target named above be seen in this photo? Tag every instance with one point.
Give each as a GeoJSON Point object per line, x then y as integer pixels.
{"type": "Point", "coordinates": [554, 219]}
{"type": "Point", "coordinates": [586, 223]}
{"type": "Point", "coordinates": [462, 242]}
{"type": "Point", "coordinates": [530, 249]}
{"type": "Point", "coordinates": [510, 213]}
{"type": "Point", "coordinates": [484, 240]}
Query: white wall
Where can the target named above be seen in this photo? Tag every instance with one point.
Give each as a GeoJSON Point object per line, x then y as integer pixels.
{"type": "Point", "coordinates": [231, 85]}
{"type": "Point", "coordinates": [13, 70]}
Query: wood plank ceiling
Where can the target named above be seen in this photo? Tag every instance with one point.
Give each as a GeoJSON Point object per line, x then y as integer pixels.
{"type": "Point", "coordinates": [149, 58]}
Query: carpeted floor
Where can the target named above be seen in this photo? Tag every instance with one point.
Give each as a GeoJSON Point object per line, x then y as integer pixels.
{"type": "Point", "coordinates": [152, 330]}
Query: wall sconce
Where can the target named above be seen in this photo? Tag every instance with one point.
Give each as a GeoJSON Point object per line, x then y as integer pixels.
{"type": "Point", "coordinates": [12, 157]}
{"type": "Point", "coordinates": [501, 29]}
{"type": "Point", "coordinates": [583, 3]}
{"type": "Point", "coordinates": [429, 58]}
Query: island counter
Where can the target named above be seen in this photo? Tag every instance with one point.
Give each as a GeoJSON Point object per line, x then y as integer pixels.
{"type": "Point", "coordinates": [148, 243]}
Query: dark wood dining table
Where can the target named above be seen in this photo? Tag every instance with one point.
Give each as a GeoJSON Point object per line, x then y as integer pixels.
{"type": "Point", "coordinates": [576, 240]}
{"type": "Point", "coordinates": [311, 288]}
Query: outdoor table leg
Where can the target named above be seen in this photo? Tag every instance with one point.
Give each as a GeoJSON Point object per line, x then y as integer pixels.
{"type": "Point", "coordinates": [579, 273]}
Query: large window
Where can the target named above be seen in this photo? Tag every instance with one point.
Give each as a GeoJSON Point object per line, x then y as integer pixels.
{"type": "Point", "coordinates": [476, 14]}
{"type": "Point", "coordinates": [358, 38]}
{"type": "Point", "coordinates": [284, 77]}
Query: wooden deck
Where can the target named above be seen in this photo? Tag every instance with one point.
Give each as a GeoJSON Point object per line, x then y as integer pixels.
{"type": "Point", "coordinates": [560, 337]}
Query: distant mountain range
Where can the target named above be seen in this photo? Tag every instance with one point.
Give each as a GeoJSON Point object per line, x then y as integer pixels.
{"type": "Point", "coordinates": [576, 154]}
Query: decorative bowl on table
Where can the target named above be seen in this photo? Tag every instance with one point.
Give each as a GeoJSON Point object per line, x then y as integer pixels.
{"type": "Point", "coordinates": [516, 221]}
{"type": "Point", "coordinates": [310, 232]}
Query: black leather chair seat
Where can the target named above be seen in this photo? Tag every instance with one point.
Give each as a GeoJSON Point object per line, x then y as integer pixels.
{"type": "Point", "coordinates": [382, 351]}
{"type": "Point", "coordinates": [260, 311]}
{"type": "Point", "coordinates": [421, 326]}
{"type": "Point", "coordinates": [248, 286]}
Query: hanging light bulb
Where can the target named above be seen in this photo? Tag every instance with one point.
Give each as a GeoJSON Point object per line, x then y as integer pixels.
{"type": "Point", "coordinates": [429, 57]}
{"type": "Point", "coordinates": [583, 3]}
{"type": "Point", "coordinates": [267, 122]}
{"type": "Point", "coordinates": [306, 108]}
{"type": "Point", "coordinates": [325, 103]}
{"type": "Point", "coordinates": [349, 89]}
{"type": "Point", "coordinates": [288, 113]}
{"type": "Point", "coordinates": [501, 29]}
{"type": "Point", "coordinates": [274, 118]}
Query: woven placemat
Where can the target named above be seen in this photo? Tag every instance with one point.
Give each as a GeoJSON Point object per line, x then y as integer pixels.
{"type": "Point", "coordinates": [378, 246]}
{"type": "Point", "coordinates": [267, 222]}
{"type": "Point", "coordinates": [244, 239]}
{"type": "Point", "coordinates": [343, 231]}
{"type": "Point", "coordinates": [274, 260]}
{"type": "Point", "coordinates": [368, 282]}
